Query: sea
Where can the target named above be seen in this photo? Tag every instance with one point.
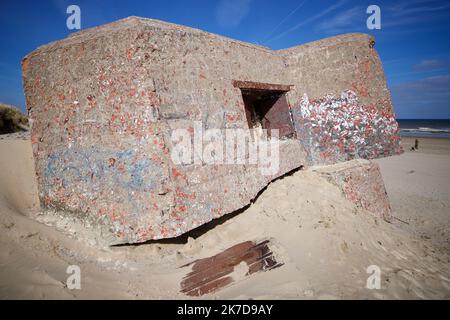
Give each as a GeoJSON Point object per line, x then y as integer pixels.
{"type": "Point", "coordinates": [424, 128]}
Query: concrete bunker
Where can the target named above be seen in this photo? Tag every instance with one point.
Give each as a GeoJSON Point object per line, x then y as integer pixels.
{"type": "Point", "coordinates": [105, 101]}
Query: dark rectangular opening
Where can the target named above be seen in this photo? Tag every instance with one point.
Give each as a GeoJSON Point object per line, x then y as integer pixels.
{"type": "Point", "coordinates": [269, 110]}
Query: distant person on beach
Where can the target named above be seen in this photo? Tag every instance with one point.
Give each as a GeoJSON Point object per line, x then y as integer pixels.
{"type": "Point", "coordinates": [416, 145]}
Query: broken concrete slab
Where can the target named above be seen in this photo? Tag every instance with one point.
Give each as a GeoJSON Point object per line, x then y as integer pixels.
{"type": "Point", "coordinates": [361, 183]}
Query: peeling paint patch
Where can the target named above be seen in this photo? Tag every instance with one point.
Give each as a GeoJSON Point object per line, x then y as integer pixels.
{"type": "Point", "coordinates": [334, 129]}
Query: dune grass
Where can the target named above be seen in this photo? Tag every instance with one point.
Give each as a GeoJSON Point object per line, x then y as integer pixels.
{"type": "Point", "coordinates": [12, 120]}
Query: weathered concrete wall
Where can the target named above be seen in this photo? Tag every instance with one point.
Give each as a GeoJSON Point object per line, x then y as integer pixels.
{"type": "Point", "coordinates": [105, 101]}
{"type": "Point", "coordinates": [361, 183]}
{"type": "Point", "coordinates": [341, 104]}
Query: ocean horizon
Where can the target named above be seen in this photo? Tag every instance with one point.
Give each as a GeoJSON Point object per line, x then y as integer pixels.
{"type": "Point", "coordinates": [425, 128]}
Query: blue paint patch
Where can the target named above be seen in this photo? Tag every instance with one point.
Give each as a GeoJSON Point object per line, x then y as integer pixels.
{"type": "Point", "coordinates": [92, 168]}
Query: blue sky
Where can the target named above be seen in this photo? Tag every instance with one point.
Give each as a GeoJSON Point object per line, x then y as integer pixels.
{"type": "Point", "coordinates": [413, 41]}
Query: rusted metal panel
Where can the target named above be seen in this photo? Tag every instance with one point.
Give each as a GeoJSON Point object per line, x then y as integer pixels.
{"type": "Point", "coordinates": [278, 117]}
{"type": "Point", "coordinates": [271, 109]}
{"type": "Point", "coordinates": [213, 273]}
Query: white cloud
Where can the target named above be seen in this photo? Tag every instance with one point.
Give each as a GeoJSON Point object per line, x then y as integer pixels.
{"type": "Point", "coordinates": [411, 7]}
{"type": "Point", "coordinates": [433, 64]}
{"type": "Point", "coordinates": [413, 12]}
{"type": "Point", "coordinates": [424, 98]}
{"type": "Point", "coordinates": [344, 19]}
{"type": "Point", "coordinates": [230, 13]}
{"type": "Point", "coordinates": [310, 19]}
{"type": "Point", "coordinates": [286, 18]}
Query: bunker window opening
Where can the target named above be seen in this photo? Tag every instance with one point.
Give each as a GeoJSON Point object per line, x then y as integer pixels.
{"type": "Point", "coordinates": [266, 107]}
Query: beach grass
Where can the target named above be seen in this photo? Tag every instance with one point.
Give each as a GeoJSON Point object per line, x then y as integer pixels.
{"type": "Point", "coordinates": [12, 120]}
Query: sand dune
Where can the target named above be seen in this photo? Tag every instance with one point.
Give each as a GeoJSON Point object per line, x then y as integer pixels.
{"type": "Point", "coordinates": [325, 242]}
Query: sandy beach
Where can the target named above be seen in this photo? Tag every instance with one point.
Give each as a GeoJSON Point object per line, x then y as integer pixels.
{"type": "Point", "coordinates": [325, 242]}
{"type": "Point", "coordinates": [418, 184]}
